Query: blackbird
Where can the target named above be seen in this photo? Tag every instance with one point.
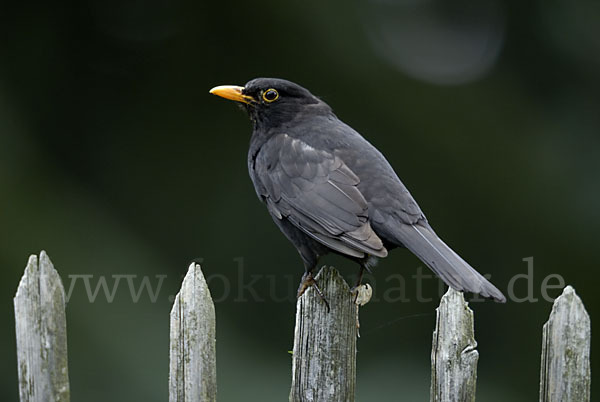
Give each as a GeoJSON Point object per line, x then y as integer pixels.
{"type": "Point", "coordinates": [329, 190]}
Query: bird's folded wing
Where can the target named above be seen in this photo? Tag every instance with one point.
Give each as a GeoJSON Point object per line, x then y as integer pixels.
{"type": "Point", "coordinates": [317, 193]}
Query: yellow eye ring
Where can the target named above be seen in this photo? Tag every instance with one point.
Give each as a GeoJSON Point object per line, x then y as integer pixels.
{"type": "Point", "coordinates": [270, 95]}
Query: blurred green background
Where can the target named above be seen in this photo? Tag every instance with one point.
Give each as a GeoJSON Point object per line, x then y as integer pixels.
{"type": "Point", "coordinates": [116, 160]}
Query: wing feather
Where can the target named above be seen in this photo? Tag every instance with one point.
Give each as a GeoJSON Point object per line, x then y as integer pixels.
{"type": "Point", "coordinates": [317, 192]}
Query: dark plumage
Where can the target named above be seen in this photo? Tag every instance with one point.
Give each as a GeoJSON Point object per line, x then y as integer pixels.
{"type": "Point", "coordinates": [329, 189]}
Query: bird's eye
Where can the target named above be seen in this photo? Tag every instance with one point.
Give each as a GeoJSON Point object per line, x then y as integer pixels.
{"type": "Point", "coordinates": [270, 95]}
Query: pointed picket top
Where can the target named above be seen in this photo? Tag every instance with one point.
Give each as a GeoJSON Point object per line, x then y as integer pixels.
{"type": "Point", "coordinates": [41, 332]}
{"type": "Point", "coordinates": [565, 368]}
{"type": "Point", "coordinates": [192, 371]}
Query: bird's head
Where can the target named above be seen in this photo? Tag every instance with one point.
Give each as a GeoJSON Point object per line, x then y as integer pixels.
{"type": "Point", "coordinates": [272, 101]}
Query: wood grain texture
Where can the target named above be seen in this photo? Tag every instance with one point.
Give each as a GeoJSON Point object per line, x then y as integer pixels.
{"type": "Point", "coordinates": [192, 370]}
{"type": "Point", "coordinates": [453, 355]}
{"type": "Point", "coordinates": [41, 332]}
{"type": "Point", "coordinates": [565, 368]}
{"type": "Point", "coordinates": [324, 355]}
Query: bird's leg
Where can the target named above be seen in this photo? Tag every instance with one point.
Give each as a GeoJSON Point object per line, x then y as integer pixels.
{"type": "Point", "coordinates": [355, 289]}
{"type": "Point", "coordinates": [361, 272]}
{"type": "Point", "coordinates": [363, 268]}
{"type": "Point", "coordinates": [307, 281]}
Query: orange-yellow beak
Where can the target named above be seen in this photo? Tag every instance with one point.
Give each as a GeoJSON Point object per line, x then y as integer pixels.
{"type": "Point", "coordinates": [232, 92]}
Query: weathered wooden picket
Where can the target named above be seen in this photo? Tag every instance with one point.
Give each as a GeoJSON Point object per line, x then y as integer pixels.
{"type": "Point", "coordinates": [324, 355]}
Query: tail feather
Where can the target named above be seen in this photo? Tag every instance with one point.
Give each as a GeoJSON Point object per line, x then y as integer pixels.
{"type": "Point", "coordinates": [442, 260]}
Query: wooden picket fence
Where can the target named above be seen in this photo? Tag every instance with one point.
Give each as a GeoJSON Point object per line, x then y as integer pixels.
{"type": "Point", "coordinates": [324, 355]}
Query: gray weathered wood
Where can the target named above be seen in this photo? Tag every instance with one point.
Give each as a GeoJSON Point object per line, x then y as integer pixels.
{"type": "Point", "coordinates": [41, 331]}
{"type": "Point", "coordinates": [324, 356]}
{"type": "Point", "coordinates": [453, 355]}
{"type": "Point", "coordinates": [565, 368]}
{"type": "Point", "coordinates": [192, 369]}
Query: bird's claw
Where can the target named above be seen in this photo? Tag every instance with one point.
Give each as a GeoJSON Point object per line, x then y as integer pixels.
{"type": "Point", "coordinates": [362, 294]}
{"type": "Point", "coordinates": [307, 281]}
